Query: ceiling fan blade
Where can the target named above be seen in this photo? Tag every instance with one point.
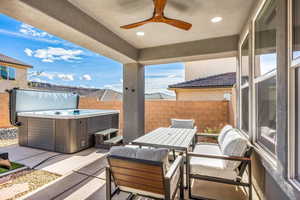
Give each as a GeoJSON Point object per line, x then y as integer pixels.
{"type": "Point", "coordinates": [177, 23]}
{"type": "Point", "coordinates": [137, 24]}
{"type": "Point", "coordinates": [159, 6]}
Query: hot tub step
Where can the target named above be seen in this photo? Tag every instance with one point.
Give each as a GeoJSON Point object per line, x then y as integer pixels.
{"type": "Point", "coordinates": [107, 131]}
{"type": "Point", "coordinates": [114, 140]}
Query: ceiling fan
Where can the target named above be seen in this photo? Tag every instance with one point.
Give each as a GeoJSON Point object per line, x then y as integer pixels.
{"type": "Point", "coordinates": [159, 17]}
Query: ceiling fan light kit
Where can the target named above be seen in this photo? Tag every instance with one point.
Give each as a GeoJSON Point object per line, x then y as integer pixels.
{"type": "Point", "coordinates": [159, 17]}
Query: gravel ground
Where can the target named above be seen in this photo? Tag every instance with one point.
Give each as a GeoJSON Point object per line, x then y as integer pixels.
{"type": "Point", "coordinates": [32, 178]}
{"type": "Point", "coordinates": [8, 136]}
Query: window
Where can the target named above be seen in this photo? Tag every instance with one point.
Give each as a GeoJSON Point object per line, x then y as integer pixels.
{"type": "Point", "coordinates": [244, 77]}
{"type": "Point", "coordinates": [265, 64]}
{"type": "Point", "coordinates": [296, 70]}
{"type": "Point", "coordinates": [11, 73]}
{"type": "Point", "coordinates": [3, 72]}
{"type": "Point", "coordinates": [245, 109]}
{"type": "Point", "coordinates": [297, 122]}
{"type": "Point", "coordinates": [296, 31]}
{"type": "Point", "coordinates": [7, 73]}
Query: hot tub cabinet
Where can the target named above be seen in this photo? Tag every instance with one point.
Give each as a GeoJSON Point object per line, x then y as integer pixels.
{"type": "Point", "coordinates": [63, 135]}
{"type": "Point", "coordinates": [51, 121]}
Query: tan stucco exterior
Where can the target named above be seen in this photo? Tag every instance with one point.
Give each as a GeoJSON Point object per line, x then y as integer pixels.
{"type": "Point", "coordinates": [21, 79]}
{"type": "Point", "coordinates": [205, 94]}
{"type": "Point", "coordinates": [205, 68]}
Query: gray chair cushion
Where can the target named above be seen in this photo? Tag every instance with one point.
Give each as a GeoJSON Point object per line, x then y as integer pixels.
{"type": "Point", "coordinates": [182, 123]}
{"type": "Point", "coordinates": [159, 154]}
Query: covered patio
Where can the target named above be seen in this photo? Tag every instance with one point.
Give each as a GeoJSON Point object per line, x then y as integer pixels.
{"type": "Point", "coordinates": [250, 31]}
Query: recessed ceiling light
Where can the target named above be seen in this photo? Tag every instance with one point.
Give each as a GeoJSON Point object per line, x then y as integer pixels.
{"type": "Point", "coordinates": [216, 19]}
{"type": "Point", "coordinates": [140, 33]}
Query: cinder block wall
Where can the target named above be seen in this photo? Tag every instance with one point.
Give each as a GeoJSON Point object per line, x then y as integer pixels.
{"type": "Point", "coordinates": [4, 111]}
{"type": "Point", "coordinates": [211, 114]}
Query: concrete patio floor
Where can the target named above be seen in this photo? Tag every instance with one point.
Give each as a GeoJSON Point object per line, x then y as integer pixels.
{"type": "Point", "coordinates": [83, 176]}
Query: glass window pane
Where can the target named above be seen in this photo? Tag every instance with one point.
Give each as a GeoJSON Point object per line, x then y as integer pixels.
{"type": "Point", "coordinates": [3, 73]}
{"type": "Point", "coordinates": [296, 29]}
{"type": "Point", "coordinates": [245, 62]}
{"type": "Point", "coordinates": [12, 73]}
{"type": "Point", "coordinates": [265, 40]}
{"type": "Point", "coordinates": [297, 139]}
{"type": "Point", "coordinates": [266, 112]}
{"type": "Point", "coordinates": [245, 109]}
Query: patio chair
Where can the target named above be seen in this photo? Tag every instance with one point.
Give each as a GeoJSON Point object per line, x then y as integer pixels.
{"type": "Point", "coordinates": [143, 172]}
{"type": "Point", "coordinates": [182, 123]}
{"type": "Point", "coordinates": [220, 136]}
{"type": "Point", "coordinates": [225, 162]}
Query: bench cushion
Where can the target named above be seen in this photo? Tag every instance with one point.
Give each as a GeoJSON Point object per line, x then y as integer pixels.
{"type": "Point", "coordinates": [182, 123]}
{"type": "Point", "coordinates": [210, 166]}
{"type": "Point", "coordinates": [223, 132]}
{"type": "Point", "coordinates": [234, 144]}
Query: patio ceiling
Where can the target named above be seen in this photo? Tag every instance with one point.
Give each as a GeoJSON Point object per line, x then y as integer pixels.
{"type": "Point", "coordinates": [114, 13]}
{"type": "Point", "coordinates": [96, 25]}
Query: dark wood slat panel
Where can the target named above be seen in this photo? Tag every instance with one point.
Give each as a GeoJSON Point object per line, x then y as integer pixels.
{"type": "Point", "coordinates": [136, 173]}
{"type": "Point", "coordinates": [135, 166]}
{"type": "Point", "coordinates": [140, 187]}
{"type": "Point", "coordinates": [140, 180]}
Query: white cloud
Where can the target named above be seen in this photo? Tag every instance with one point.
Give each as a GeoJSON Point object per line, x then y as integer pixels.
{"type": "Point", "coordinates": [47, 75]}
{"type": "Point", "coordinates": [28, 52]}
{"type": "Point", "coordinates": [117, 87]}
{"type": "Point", "coordinates": [172, 76]}
{"type": "Point", "coordinates": [159, 82]}
{"type": "Point", "coordinates": [31, 31]}
{"type": "Point", "coordinates": [52, 54]}
{"type": "Point", "coordinates": [86, 77]}
{"type": "Point", "coordinates": [66, 77]}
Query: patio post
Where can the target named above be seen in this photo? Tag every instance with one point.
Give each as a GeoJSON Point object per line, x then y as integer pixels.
{"type": "Point", "coordinates": [133, 101]}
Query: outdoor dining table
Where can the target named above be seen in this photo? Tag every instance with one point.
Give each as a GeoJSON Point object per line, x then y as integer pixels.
{"type": "Point", "coordinates": [179, 139]}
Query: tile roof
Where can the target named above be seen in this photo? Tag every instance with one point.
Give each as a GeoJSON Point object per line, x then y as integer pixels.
{"type": "Point", "coordinates": [220, 80]}
{"type": "Point", "coordinates": [7, 59]}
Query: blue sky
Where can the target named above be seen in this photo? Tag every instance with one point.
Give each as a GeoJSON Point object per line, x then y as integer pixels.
{"type": "Point", "coordinates": [60, 62]}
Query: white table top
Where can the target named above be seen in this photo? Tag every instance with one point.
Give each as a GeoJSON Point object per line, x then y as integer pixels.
{"type": "Point", "coordinates": [173, 138]}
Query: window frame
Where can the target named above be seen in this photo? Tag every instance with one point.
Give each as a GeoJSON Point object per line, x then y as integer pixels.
{"type": "Point", "coordinates": [9, 73]}
{"type": "Point", "coordinates": [270, 156]}
{"type": "Point", "coordinates": [1, 78]}
{"type": "Point", "coordinates": [245, 85]}
{"type": "Point", "coordinates": [294, 62]}
{"type": "Point", "coordinates": [8, 68]}
{"type": "Point", "coordinates": [293, 65]}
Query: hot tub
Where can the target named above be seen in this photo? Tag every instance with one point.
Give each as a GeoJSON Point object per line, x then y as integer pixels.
{"type": "Point", "coordinates": [65, 129]}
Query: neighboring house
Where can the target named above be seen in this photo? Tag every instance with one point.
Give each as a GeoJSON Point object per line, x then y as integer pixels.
{"type": "Point", "coordinates": [159, 96]}
{"type": "Point", "coordinates": [205, 68]}
{"type": "Point", "coordinates": [212, 88]}
{"type": "Point", "coordinates": [100, 94]}
{"type": "Point", "coordinates": [13, 73]}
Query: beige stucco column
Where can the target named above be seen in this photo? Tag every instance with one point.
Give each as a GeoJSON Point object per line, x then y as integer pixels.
{"type": "Point", "coordinates": [133, 101]}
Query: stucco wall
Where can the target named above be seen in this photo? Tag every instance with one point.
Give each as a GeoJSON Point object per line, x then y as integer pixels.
{"type": "Point", "coordinates": [202, 94]}
{"type": "Point", "coordinates": [204, 68]}
{"type": "Point", "coordinates": [21, 81]}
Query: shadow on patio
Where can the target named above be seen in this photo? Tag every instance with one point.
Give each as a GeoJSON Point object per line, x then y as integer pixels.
{"type": "Point", "coordinates": [83, 176]}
